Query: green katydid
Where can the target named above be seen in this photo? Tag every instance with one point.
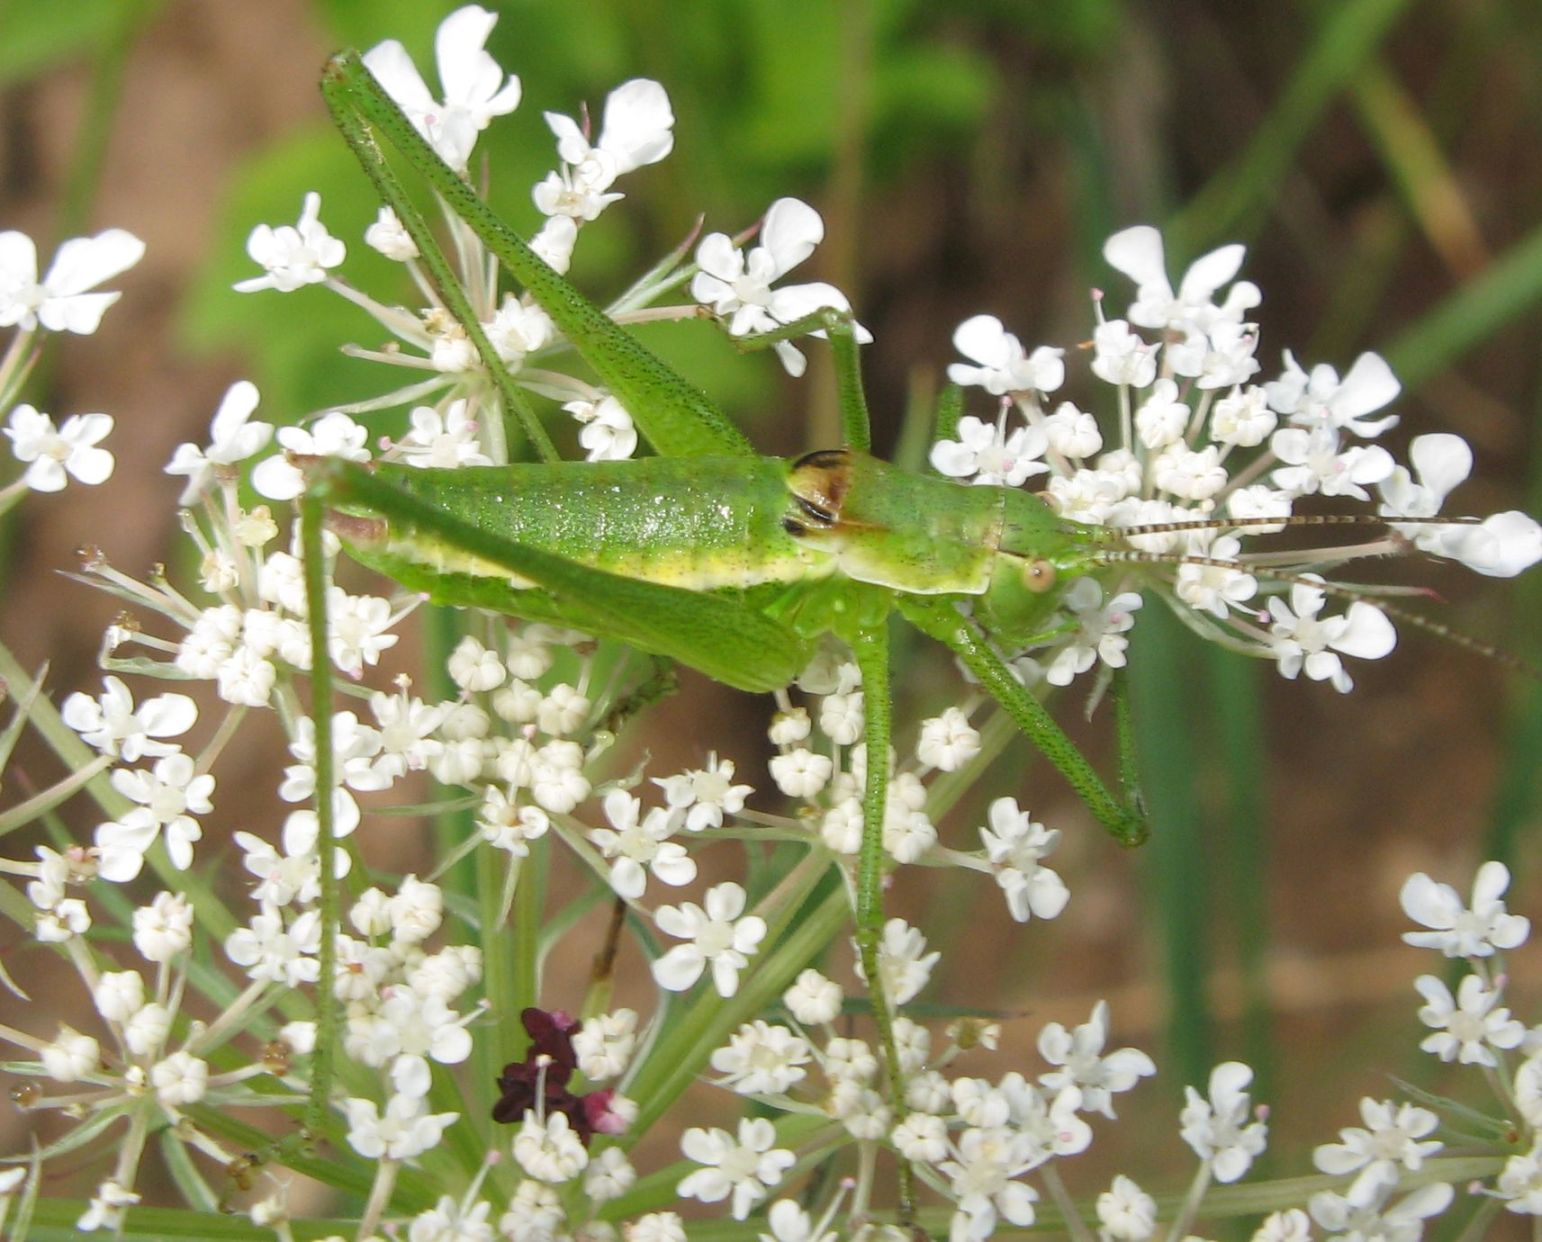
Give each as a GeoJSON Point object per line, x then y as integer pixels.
{"type": "Point", "coordinates": [726, 561]}
{"type": "Point", "coordinates": [729, 562]}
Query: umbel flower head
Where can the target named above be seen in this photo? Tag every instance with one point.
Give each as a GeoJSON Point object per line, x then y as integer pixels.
{"type": "Point", "coordinates": [1204, 463]}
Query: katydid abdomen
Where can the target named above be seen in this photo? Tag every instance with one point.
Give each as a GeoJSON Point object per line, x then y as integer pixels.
{"type": "Point", "coordinates": [731, 523]}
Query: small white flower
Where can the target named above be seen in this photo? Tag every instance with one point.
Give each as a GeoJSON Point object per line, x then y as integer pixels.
{"type": "Point", "coordinates": [801, 773]}
{"type": "Point", "coordinates": [717, 935]}
{"type": "Point", "coordinates": [608, 432]}
{"type": "Point", "coordinates": [1126, 1212]}
{"type": "Point", "coordinates": [548, 1150]}
{"type": "Point", "coordinates": [737, 286]}
{"type": "Point", "coordinates": [604, 1044]}
{"type": "Point", "coordinates": [1121, 356]}
{"type": "Point", "coordinates": [71, 1056]}
{"type": "Point", "coordinates": [448, 1221]}
{"type": "Point", "coordinates": [1459, 931]}
{"type": "Point", "coordinates": [1393, 1138]}
{"type": "Point", "coordinates": [1243, 419]}
{"type": "Point", "coordinates": [1302, 641]}
{"type": "Point", "coordinates": [1138, 253]}
{"type": "Point", "coordinates": [1291, 1225]}
{"type": "Point", "coordinates": [1500, 546]}
{"type": "Point", "coordinates": [1212, 588]}
{"type": "Point", "coordinates": [989, 455]}
{"type": "Point", "coordinates": [475, 90]}
{"type": "Point", "coordinates": [180, 1079]}
{"type": "Point", "coordinates": [231, 439]}
{"type": "Point", "coordinates": [745, 1168]}
{"type": "Point", "coordinates": [1014, 844]}
{"type": "Point", "coordinates": [813, 999]}
{"type": "Point", "coordinates": [1528, 1088]}
{"type": "Point", "coordinates": [1218, 1128]}
{"type": "Point", "coordinates": [609, 1176]}
{"type": "Point", "coordinates": [1162, 419]}
{"type": "Point", "coordinates": [640, 843]}
{"type": "Point", "coordinates": [948, 741]}
{"type": "Point", "coordinates": [405, 1130]}
{"type": "Point", "coordinates": [116, 727]}
{"type": "Point", "coordinates": [388, 236]}
{"type": "Point", "coordinates": [146, 1031]}
{"type": "Point", "coordinates": [1079, 1052]}
{"type": "Point", "coordinates": [1363, 1213]}
{"type": "Point", "coordinates": [293, 256]}
{"type": "Point", "coordinates": [1073, 433]}
{"type": "Point", "coordinates": [168, 797]}
{"type": "Point", "coordinates": [705, 794]}
{"type": "Point", "coordinates": [1003, 367]}
{"type": "Point", "coordinates": [275, 952]}
{"type": "Point", "coordinates": [1315, 463]}
{"type": "Point", "coordinates": [60, 302]}
{"type": "Point", "coordinates": [903, 961]}
{"type": "Point", "coordinates": [761, 1059]}
{"type": "Point", "coordinates": [982, 1172]}
{"type": "Point", "coordinates": [118, 995]}
{"type": "Point", "coordinates": [636, 129]}
{"type": "Point", "coordinates": [52, 455]}
{"type": "Point", "coordinates": [333, 435]}
{"type": "Point", "coordinates": [1520, 1183]}
{"type": "Point", "coordinates": [1100, 634]}
{"type": "Point", "coordinates": [1468, 1027]}
{"type": "Point", "coordinates": [107, 1207]}
{"type": "Point", "coordinates": [657, 1227]}
{"type": "Point", "coordinates": [164, 928]}
{"type": "Point", "coordinates": [443, 441]}
{"type": "Point", "coordinates": [1321, 400]}
{"type": "Point", "coordinates": [509, 825]}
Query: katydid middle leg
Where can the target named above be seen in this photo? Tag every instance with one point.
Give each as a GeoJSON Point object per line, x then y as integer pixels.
{"type": "Point", "coordinates": [869, 642]}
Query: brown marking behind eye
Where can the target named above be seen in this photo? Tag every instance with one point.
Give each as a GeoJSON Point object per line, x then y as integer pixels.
{"type": "Point", "coordinates": [818, 482]}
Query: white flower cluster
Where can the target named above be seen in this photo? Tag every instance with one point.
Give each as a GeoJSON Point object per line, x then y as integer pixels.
{"type": "Point", "coordinates": [523, 745]}
{"type": "Point", "coordinates": [62, 301]}
{"type": "Point", "coordinates": [1199, 440]}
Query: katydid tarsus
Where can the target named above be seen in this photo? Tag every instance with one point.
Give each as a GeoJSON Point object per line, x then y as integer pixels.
{"type": "Point", "coordinates": [709, 554]}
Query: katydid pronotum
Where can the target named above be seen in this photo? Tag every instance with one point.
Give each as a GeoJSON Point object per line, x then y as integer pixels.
{"type": "Point", "coordinates": [708, 554]}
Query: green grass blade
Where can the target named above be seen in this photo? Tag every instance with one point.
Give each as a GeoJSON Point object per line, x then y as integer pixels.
{"type": "Point", "coordinates": [1238, 198]}
{"type": "Point", "coordinates": [1512, 286]}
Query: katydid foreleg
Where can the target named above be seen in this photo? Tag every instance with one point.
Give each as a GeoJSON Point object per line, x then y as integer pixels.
{"type": "Point", "coordinates": [838, 325]}
{"type": "Point", "coordinates": [953, 630]}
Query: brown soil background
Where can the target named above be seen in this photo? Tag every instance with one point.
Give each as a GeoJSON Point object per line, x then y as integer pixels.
{"type": "Point", "coordinates": [1397, 778]}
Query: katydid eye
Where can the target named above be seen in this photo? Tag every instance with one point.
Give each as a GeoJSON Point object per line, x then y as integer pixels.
{"type": "Point", "coordinates": [1039, 576]}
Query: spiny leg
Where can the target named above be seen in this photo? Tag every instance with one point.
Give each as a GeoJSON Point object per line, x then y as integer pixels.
{"type": "Point", "coordinates": [675, 416]}
{"type": "Point", "coordinates": [940, 619]}
{"type": "Point", "coordinates": [870, 645]}
{"type": "Point", "coordinates": [353, 126]}
{"type": "Point", "coordinates": [840, 328]}
{"type": "Point", "coordinates": [312, 516]}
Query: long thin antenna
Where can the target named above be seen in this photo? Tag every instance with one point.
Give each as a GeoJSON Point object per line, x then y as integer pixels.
{"type": "Point", "coordinates": [1339, 591]}
{"type": "Point", "coordinates": [1292, 519]}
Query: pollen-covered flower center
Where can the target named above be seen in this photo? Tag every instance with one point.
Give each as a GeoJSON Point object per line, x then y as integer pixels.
{"type": "Point", "coordinates": [716, 937]}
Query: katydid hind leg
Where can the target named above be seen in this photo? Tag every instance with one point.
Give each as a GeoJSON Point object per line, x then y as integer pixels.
{"type": "Point", "coordinates": [676, 417]}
